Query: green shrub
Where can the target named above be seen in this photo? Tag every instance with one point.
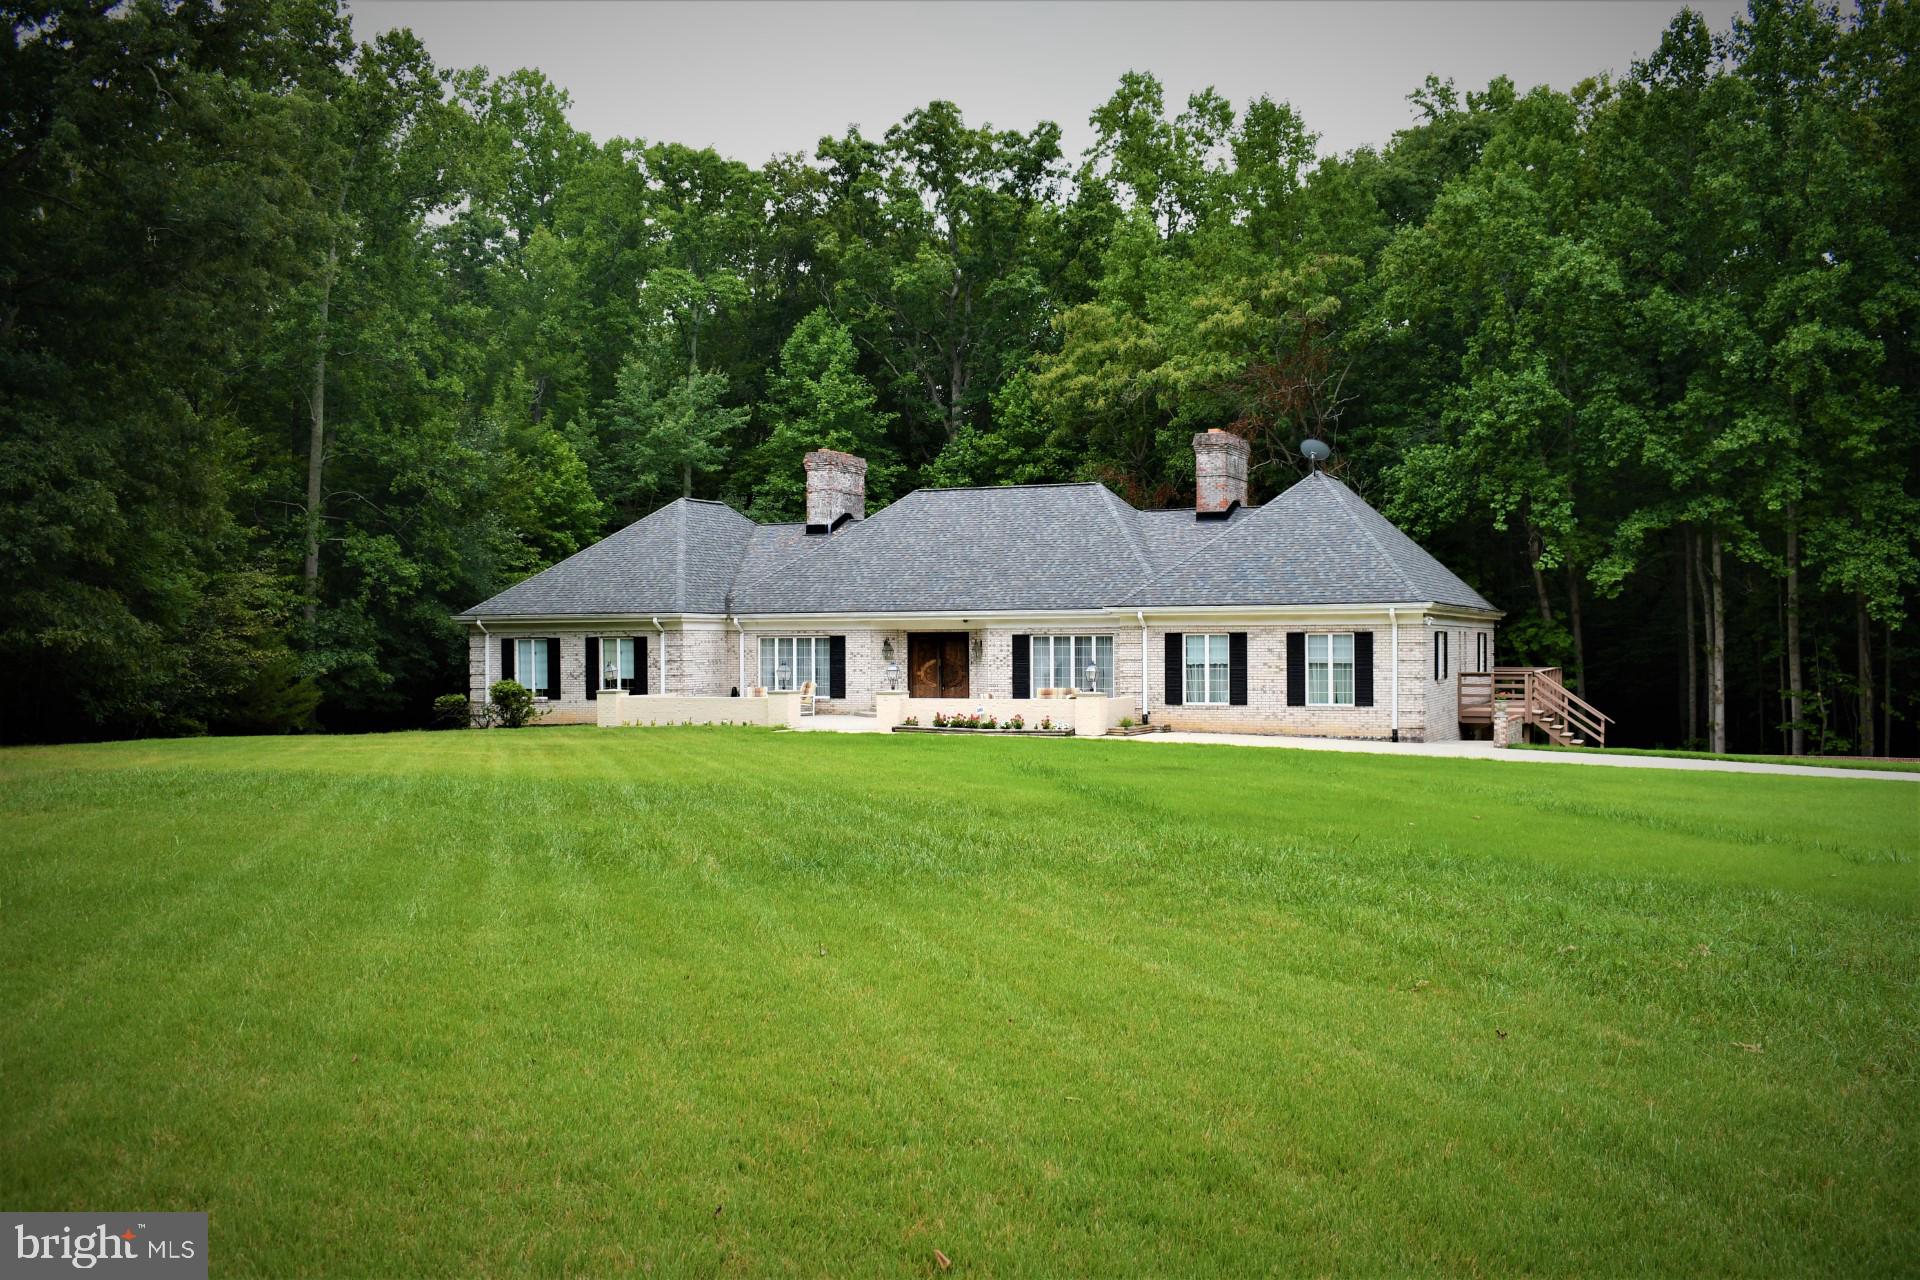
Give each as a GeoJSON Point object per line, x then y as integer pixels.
{"type": "Point", "coordinates": [1126, 722]}
{"type": "Point", "coordinates": [452, 711]}
{"type": "Point", "coordinates": [512, 704]}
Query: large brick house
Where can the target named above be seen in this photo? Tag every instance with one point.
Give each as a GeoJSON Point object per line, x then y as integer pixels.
{"type": "Point", "coordinates": [1311, 614]}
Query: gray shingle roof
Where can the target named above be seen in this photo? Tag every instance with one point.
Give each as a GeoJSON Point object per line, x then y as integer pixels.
{"type": "Point", "coordinates": [1317, 543]}
{"type": "Point", "coordinates": [680, 559]}
{"type": "Point", "coordinates": [1028, 547]}
{"type": "Point", "coordinates": [1063, 546]}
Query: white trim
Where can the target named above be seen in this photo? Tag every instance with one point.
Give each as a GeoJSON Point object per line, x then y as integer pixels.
{"type": "Point", "coordinates": [1306, 649]}
{"type": "Point", "coordinates": [1101, 616]}
{"type": "Point", "coordinates": [1186, 692]}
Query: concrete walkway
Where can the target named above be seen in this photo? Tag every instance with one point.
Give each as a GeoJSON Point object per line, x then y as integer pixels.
{"type": "Point", "coordinates": [840, 724]}
{"type": "Point", "coordinates": [1487, 751]}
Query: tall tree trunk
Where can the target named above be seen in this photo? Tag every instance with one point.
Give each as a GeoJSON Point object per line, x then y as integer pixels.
{"type": "Point", "coordinates": [1579, 636]}
{"type": "Point", "coordinates": [1886, 697]}
{"type": "Point", "coordinates": [1864, 627]}
{"type": "Point", "coordinates": [317, 440]}
{"type": "Point", "coordinates": [1689, 566]}
{"type": "Point", "coordinates": [1796, 734]}
{"type": "Point", "coordinates": [1534, 551]}
{"type": "Point", "coordinates": [1717, 650]}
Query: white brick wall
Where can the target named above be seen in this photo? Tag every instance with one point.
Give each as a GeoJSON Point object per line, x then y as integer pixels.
{"type": "Point", "coordinates": [704, 660]}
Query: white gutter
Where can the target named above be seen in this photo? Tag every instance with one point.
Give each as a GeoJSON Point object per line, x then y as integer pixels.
{"type": "Point", "coordinates": [663, 652]}
{"type": "Point", "coordinates": [1393, 617]}
{"type": "Point", "coordinates": [1142, 615]}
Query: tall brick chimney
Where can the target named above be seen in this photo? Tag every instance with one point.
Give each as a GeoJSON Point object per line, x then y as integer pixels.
{"type": "Point", "coordinates": [836, 489]}
{"type": "Point", "coordinates": [1220, 474]}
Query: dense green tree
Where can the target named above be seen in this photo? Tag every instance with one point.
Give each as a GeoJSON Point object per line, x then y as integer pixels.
{"type": "Point", "coordinates": [818, 400]}
{"type": "Point", "coordinates": [307, 343]}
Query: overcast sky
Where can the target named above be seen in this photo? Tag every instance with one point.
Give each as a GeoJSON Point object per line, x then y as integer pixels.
{"type": "Point", "coordinates": [753, 79]}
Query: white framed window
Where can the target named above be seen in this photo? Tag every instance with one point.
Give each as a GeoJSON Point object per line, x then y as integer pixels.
{"type": "Point", "coordinates": [1207, 665]}
{"type": "Point", "coordinates": [1062, 662]}
{"type": "Point", "coordinates": [1485, 650]}
{"type": "Point", "coordinates": [617, 670]}
{"type": "Point", "coordinates": [1330, 669]}
{"type": "Point", "coordinates": [787, 662]}
{"type": "Point", "coordinates": [1439, 655]}
{"type": "Point", "coordinates": [530, 665]}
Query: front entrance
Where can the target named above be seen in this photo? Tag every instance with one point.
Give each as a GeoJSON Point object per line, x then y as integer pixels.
{"type": "Point", "coordinates": [937, 664]}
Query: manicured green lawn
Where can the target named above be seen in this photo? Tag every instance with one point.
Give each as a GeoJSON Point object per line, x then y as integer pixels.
{"type": "Point", "coordinates": [726, 1001]}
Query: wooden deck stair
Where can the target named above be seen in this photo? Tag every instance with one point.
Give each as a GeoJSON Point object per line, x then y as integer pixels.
{"type": "Point", "coordinates": [1540, 698]}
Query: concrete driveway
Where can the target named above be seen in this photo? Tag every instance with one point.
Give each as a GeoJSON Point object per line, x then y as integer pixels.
{"type": "Point", "coordinates": [1486, 751]}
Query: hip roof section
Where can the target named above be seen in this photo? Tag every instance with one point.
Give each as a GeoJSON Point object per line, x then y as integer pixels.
{"type": "Point", "coordinates": [1041, 548]}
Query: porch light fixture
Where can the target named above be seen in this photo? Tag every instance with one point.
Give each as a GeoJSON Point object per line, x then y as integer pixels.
{"type": "Point", "coordinates": [1093, 678]}
{"type": "Point", "coordinates": [886, 650]}
{"type": "Point", "coordinates": [893, 673]}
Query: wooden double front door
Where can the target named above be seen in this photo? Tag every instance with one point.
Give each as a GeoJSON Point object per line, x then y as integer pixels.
{"type": "Point", "coordinates": [937, 664]}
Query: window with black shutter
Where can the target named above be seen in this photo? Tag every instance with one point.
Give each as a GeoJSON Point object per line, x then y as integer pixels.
{"type": "Point", "coordinates": [553, 669]}
{"type": "Point", "coordinates": [1296, 668]}
{"type": "Point", "coordinates": [1237, 669]}
{"type": "Point", "coordinates": [837, 668]}
{"type": "Point", "coordinates": [1363, 668]}
{"type": "Point", "coordinates": [593, 667]}
{"type": "Point", "coordinates": [1023, 666]}
{"type": "Point", "coordinates": [1175, 669]}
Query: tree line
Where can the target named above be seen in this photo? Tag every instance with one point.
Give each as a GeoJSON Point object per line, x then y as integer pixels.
{"type": "Point", "coordinates": [307, 343]}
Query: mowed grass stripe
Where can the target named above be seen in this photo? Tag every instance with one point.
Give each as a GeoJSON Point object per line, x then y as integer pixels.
{"type": "Point", "coordinates": [1045, 1006]}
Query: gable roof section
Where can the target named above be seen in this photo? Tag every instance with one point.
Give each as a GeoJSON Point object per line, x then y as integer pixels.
{"type": "Point", "coordinates": [1317, 543]}
{"type": "Point", "coordinates": [1062, 546]}
{"type": "Point", "coordinates": [680, 559]}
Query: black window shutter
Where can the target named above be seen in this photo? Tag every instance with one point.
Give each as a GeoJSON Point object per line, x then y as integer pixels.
{"type": "Point", "coordinates": [553, 669]}
{"type": "Point", "coordinates": [640, 664]}
{"type": "Point", "coordinates": [1023, 666]}
{"type": "Point", "coordinates": [1363, 668]}
{"type": "Point", "coordinates": [1236, 668]}
{"type": "Point", "coordinates": [837, 667]}
{"type": "Point", "coordinates": [506, 660]}
{"type": "Point", "coordinates": [1296, 668]}
{"type": "Point", "coordinates": [593, 666]}
{"type": "Point", "coordinates": [1176, 670]}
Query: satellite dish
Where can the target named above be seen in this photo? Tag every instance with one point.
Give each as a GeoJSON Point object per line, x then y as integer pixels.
{"type": "Point", "coordinates": [1315, 451]}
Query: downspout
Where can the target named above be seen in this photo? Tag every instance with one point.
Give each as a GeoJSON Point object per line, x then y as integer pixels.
{"type": "Point", "coordinates": [1393, 617]}
{"type": "Point", "coordinates": [1142, 615]}
{"type": "Point", "coordinates": [663, 653]}
{"type": "Point", "coordinates": [739, 655]}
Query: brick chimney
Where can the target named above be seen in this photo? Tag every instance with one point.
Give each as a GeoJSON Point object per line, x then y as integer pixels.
{"type": "Point", "coordinates": [1220, 474]}
{"type": "Point", "coordinates": [836, 489]}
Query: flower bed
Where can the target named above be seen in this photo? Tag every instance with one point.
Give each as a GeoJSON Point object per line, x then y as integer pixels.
{"type": "Point", "coordinates": [990, 733]}
{"type": "Point", "coordinates": [979, 722]}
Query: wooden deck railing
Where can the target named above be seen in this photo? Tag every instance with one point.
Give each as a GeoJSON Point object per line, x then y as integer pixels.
{"type": "Point", "coordinates": [1539, 697]}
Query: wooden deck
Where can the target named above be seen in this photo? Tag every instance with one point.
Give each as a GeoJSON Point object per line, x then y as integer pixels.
{"type": "Point", "coordinates": [1540, 698]}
